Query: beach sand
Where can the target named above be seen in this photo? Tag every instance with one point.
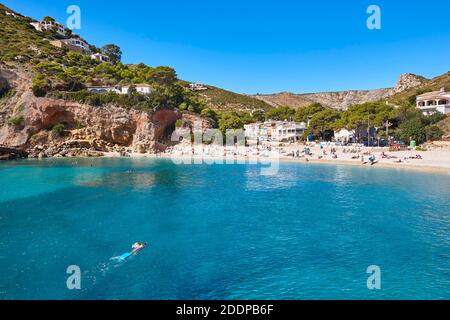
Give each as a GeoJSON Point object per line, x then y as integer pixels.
{"type": "Point", "coordinates": [431, 161]}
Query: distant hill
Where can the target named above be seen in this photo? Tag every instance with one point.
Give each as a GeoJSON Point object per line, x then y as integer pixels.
{"type": "Point", "coordinates": [408, 96]}
{"type": "Point", "coordinates": [20, 42]}
{"type": "Point", "coordinates": [223, 100]}
{"type": "Point", "coordinates": [342, 99]}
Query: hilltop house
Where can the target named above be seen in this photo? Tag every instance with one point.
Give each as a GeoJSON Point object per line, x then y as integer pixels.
{"type": "Point", "coordinates": [432, 102]}
{"type": "Point", "coordinates": [140, 88]}
{"type": "Point", "coordinates": [12, 14]}
{"type": "Point", "coordinates": [73, 45]}
{"type": "Point", "coordinates": [50, 25]}
{"type": "Point", "coordinates": [197, 87]}
{"type": "Point", "coordinates": [78, 44]}
{"type": "Point", "coordinates": [100, 57]}
{"type": "Point", "coordinates": [104, 89]}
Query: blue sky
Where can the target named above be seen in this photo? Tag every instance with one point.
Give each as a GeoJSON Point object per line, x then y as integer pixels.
{"type": "Point", "coordinates": [268, 46]}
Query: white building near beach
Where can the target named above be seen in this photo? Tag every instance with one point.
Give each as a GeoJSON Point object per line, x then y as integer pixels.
{"type": "Point", "coordinates": [288, 131]}
{"type": "Point", "coordinates": [432, 102]}
{"type": "Point", "coordinates": [345, 135]}
{"type": "Point", "coordinates": [256, 132]}
{"type": "Point", "coordinates": [277, 131]}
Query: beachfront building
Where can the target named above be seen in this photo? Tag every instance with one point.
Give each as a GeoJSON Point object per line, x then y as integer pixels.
{"type": "Point", "coordinates": [49, 26]}
{"type": "Point", "coordinates": [288, 131]}
{"type": "Point", "coordinates": [100, 57]}
{"type": "Point", "coordinates": [345, 136]}
{"type": "Point", "coordinates": [256, 132]}
{"type": "Point", "coordinates": [432, 102]}
{"type": "Point", "coordinates": [140, 88]}
{"type": "Point", "coordinates": [275, 131]}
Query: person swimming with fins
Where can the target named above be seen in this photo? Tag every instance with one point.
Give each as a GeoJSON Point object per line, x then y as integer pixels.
{"type": "Point", "coordinates": [138, 246]}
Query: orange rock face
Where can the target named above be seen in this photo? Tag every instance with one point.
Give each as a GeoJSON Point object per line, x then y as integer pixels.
{"type": "Point", "coordinates": [85, 128]}
{"type": "Point", "coordinates": [106, 128]}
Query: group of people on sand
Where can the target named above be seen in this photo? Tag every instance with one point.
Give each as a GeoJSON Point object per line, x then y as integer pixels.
{"type": "Point", "coordinates": [399, 160]}
{"type": "Point", "coordinates": [371, 159]}
{"type": "Point", "coordinates": [300, 154]}
{"type": "Point", "coordinates": [351, 150]}
{"type": "Point", "coordinates": [306, 152]}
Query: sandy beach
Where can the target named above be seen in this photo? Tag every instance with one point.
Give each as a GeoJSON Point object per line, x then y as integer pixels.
{"type": "Point", "coordinates": [427, 161]}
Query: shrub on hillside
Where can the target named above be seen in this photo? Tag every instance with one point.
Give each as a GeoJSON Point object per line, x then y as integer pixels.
{"type": "Point", "coordinates": [40, 86]}
{"type": "Point", "coordinates": [433, 133]}
{"type": "Point", "coordinates": [15, 121]}
{"type": "Point", "coordinates": [58, 129]}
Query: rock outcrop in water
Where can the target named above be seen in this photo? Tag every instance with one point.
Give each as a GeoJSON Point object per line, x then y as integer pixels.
{"type": "Point", "coordinates": [26, 122]}
{"type": "Point", "coordinates": [7, 153]}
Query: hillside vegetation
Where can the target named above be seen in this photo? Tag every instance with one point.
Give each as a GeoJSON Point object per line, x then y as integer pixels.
{"type": "Point", "coordinates": [408, 97]}
{"type": "Point", "coordinates": [20, 42]}
{"type": "Point", "coordinates": [223, 100]}
{"type": "Point", "coordinates": [58, 73]}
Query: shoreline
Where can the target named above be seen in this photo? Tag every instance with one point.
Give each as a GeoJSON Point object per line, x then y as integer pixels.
{"type": "Point", "coordinates": [207, 159]}
{"type": "Point", "coordinates": [430, 164]}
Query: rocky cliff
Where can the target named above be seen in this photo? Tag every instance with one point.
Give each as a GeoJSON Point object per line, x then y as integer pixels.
{"type": "Point", "coordinates": [45, 127]}
{"type": "Point", "coordinates": [342, 99]}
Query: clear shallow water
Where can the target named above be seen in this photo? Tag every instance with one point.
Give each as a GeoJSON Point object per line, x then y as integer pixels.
{"type": "Point", "coordinates": [221, 231]}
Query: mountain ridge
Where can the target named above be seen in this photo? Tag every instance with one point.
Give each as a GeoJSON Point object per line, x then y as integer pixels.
{"type": "Point", "coordinates": [342, 99]}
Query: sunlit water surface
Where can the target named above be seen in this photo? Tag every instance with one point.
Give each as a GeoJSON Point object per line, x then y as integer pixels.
{"type": "Point", "coordinates": [221, 231]}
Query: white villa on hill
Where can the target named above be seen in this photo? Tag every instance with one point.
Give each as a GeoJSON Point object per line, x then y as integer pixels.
{"type": "Point", "coordinates": [50, 25]}
{"type": "Point", "coordinates": [78, 43]}
{"type": "Point", "coordinates": [432, 102]}
{"type": "Point", "coordinates": [73, 45]}
{"type": "Point", "coordinates": [12, 14]}
{"type": "Point", "coordinates": [105, 89]}
{"type": "Point", "coordinates": [197, 87]}
{"type": "Point", "coordinates": [100, 57]}
{"type": "Point", "coordinates": [277, 131]}
{"type": "Point", "coordinates": [140, 88]}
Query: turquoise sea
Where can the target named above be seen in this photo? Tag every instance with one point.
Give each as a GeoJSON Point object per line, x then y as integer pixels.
{"type": "Point", "coordinates": [221, 231]}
